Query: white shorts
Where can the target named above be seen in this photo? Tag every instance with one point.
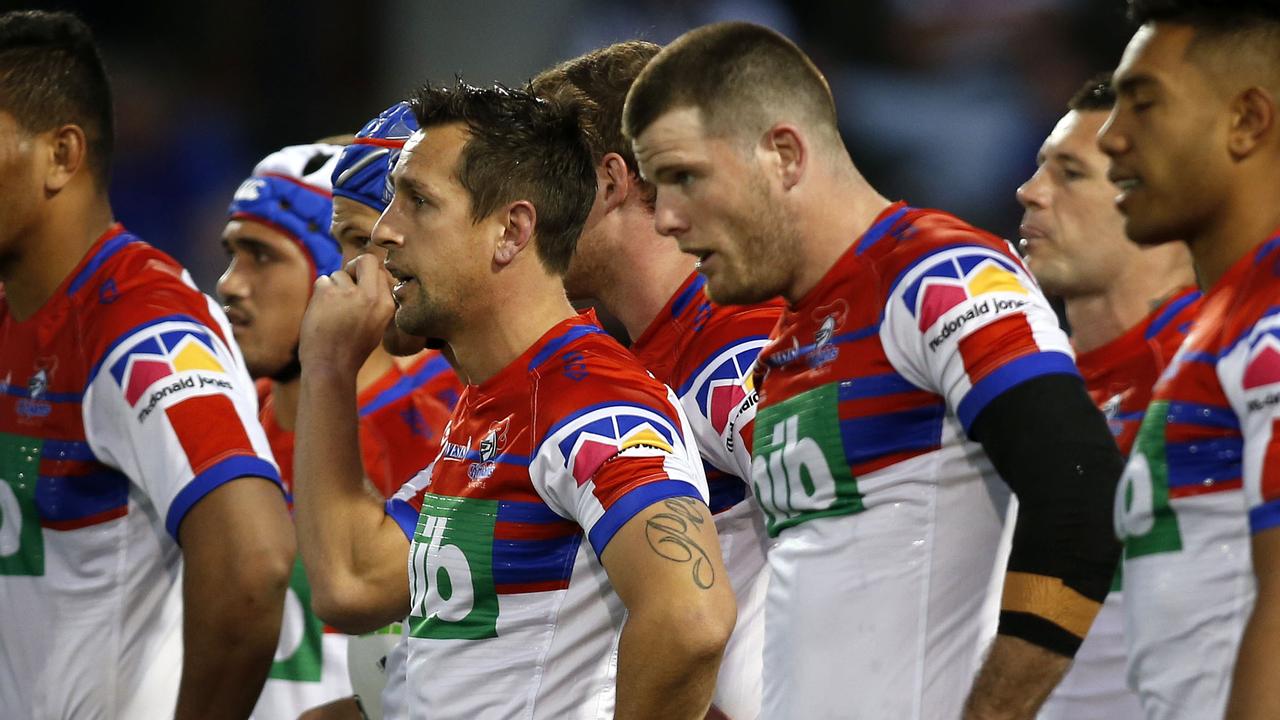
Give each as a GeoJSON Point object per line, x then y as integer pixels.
{"type": "Point", "coordinates": [743, 541]}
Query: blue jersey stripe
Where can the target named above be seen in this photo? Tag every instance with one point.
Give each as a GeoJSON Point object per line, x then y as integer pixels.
{"type": "Point", "coordinates": [558, 344]}
{"type": "Point", "coordinates": [1192, 463]}
{"type": "Point", "coordinates": [1264, 517]}
{"type": "Point", "coordinates": [631, 504]}
{"type": "Point", "coordinates": [212, 478]}
{"type": "Point", "coordinates": [108, 249]}
{"type": "Point", "coordinates": [725, 490]}
{"type": "Point", "coordinates": [874, 436]}
{"type": "Point", "coordinates": [1169, 312]}
{"type": "Point", "coordinates": [1211, 416]}
{"type": "Point", "coordinates": [682, 300]}
{"type": "Point", "coordinates": [406, 385]}
{"type": "Point", "coordinates": [73, 497]}
{"type": "Point", "coordinates": [873, 386]}
{"type": "Point", "coordinates": [518, 562]}
{"type": "Point", "coordinates": [404, 515]}
{"type": "Point", "coordinates": [535, 513]}
{"type": "Point", "coordinates": [790, 355]}
{"type": "Point", "coordinates": [874, 234]}
{"type": "Point", "coordinates": [1009, 375]}
{"type": "Point", "coordinates": [78, 450]}
{"type": "Point", "coordinates": [21, 391]}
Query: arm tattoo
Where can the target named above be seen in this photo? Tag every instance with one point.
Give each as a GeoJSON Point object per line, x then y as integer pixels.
{"type": "Point", "coordinates": [668, 535]}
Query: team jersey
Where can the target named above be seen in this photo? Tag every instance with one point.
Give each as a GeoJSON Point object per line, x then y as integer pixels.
{"type": "Point", "coordinates": [1203, 476]}
{"type": "Point", "coordinates": [123, 402]}
{"type": "Point", "coordinates": [430, 370]}
{"type": "Point", "coordinates": [705, 352]}
{"type": "Point", "coordinates": [400, 426]}
{"type": "Point", "coordinates": [886, 514]}
{"type": "Point", "coordinates": [1119, 377]}
{"type": "Point", "coordinates": [512, 614]}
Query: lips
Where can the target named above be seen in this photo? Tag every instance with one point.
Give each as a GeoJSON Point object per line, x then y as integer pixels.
{"type": "Point", "coordinates": [1126, 180]}
{"type": "Point", "coordinates": [235, 316]}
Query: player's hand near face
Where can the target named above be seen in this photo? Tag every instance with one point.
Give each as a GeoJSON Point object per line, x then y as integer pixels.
{"type": "Point", "coordinates": [347, 316]}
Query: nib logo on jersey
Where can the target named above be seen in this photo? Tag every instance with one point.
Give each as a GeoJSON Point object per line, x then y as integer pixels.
{"type": "Point", "coordinates": [968, 289]}
{"type": "Point", "coordinates": [1262, 370]}
{"type": "Point", "coordinates": [601, 434]}
{"type": "Point", "coordinates": [166, 365]}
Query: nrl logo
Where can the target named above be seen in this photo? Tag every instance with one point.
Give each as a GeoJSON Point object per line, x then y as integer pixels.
{"type": "Point", "coordinates": [826, 332]}
{"type": "Point", "coordinates": [38, 385]}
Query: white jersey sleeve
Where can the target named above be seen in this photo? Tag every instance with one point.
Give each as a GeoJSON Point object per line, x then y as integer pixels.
{"type": "Point", "coordinates": [171, 405]}
{"type": "Point", "coordinates": [1250, 377]}
{"type": "Point", "coordinates": [601, 466]}
{"type": "Point", "coordinates": [968, 322]}
{"type": "Point", "coordinates": [720, 400]}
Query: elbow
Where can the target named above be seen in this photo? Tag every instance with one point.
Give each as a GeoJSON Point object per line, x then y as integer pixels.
{"type": "Point", "coordinates": [351, 606]}
{"type": "Point", "coordinates": [701, 628]}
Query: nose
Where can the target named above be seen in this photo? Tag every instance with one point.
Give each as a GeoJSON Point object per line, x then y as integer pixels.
{"type": "Point", "coordinates": [232, 284]}
{"type": "Point", "coordinates": [1111, 138]}
{"type": "Point", "coordinates": [386, 233]}
{"type": "Point", "coordinates": [1033, 193]}
{"type": "Point", "coordinates": [668, 220]}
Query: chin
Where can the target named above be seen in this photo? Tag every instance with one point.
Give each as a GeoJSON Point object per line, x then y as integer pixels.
{"type": "Point", "coordinates": [401, 344]}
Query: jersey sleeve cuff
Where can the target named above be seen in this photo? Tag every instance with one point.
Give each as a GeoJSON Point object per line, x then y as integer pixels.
{"type": "Point", "coordinates": [404, 515]}
{"type": "Point", "coordinates": [630, 505]}
{"type": "Point", "coordinates": [1010, 375]}
{"type": "Point", "coordinates": [212, 478]}
{"type": "Point", "coordinates": [1264, 516]}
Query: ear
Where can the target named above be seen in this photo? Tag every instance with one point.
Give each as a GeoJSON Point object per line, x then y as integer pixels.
{"type": "Point", "coordinates": [1253, 117]}
{"type": "Point", "coordinates": [615, 182]}
{"type": "Point", "coordinates": [68, 154]}
{"type": "Point", "coordinates": [787, 151]}
{"type": "Point", "coordinates": [517, 231]}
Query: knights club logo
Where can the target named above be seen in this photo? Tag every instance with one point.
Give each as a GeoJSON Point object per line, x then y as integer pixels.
{"type": "Point", "coordinates": [951, 282]}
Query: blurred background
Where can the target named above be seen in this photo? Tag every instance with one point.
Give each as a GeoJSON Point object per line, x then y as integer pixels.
{"type": "Point", "coordinates": [943, 102]}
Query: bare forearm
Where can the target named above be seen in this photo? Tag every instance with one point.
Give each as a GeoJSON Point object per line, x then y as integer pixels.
{"type": "Point", "coordinates": [1015, 681]}
{"type": "Point", "coordinates": [661, 674]}
{"type": "Point", "coordinates": [1254, 693]}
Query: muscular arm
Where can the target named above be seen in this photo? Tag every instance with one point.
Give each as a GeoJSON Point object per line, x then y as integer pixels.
{"type": "Point", "coordinates": [665, 565]}
{"type": "Point", "coordinates": [1254, 692]}
{"type": "Point", "coordinates": [238, 548]}
{"type": "Point", "coordinates": [1052, 446]}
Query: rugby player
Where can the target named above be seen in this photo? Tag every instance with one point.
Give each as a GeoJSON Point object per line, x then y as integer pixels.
{"type": "Point", "coordinates": [145, 545]}
{"type": "Point", "coordinates": [1195, 151]}
{"type": "Point", "coordinates": [1129, 307]}
{"type": "Point", "coordinates": [562, 561]}
{"type": "Point", "coordinates": [916, 377]}
{"type": "Point", "coordinates": [702, 350]}
{"type": "Point", "coordinates": [278, 241]}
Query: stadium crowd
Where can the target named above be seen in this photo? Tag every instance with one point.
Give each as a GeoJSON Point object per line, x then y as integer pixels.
{"type": "Point", "coordinates": [839, 458]}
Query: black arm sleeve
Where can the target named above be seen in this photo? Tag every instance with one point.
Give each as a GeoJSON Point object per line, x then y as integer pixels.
{"type": "Point", "coordinates": [1051, 445]}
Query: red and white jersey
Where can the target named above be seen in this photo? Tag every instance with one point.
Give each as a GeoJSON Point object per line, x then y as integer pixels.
{"type": "Point", "coordinates": [1119, 377]}
{"type": "Point", "coordinates": [1204, 476]}
{"type": "Point", "coordinates": [886, 513]}
{"type": "Point", "coordinates": [123, 402]}
{"type": "Point", "coordinates": [401, 424]}
{"type": "Point", "coordinates": [430, 370]}
{"type": "Point", "coordinates": [705, 352]}
{"type": "Point", "coordinates": [512, 614]}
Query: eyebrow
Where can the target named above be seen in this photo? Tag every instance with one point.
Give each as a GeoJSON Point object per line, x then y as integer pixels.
{"type": "Point", "coordinates": [248, 244]}
{"type": "Point", "coordinates": [1131, 84]}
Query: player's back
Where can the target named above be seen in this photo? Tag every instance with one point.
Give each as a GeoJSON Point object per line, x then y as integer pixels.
{"type": "Point", "coordinates": [512, 613]}
{"type": "Point", "coordinates": [125, 403]}
{"type": "Point", "coordinates": [886, 514]}
{"type": "Point", "coordinates": [1201, 479]}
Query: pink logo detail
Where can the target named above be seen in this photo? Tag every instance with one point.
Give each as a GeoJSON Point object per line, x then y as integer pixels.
{"type": "Point", "coordinates": [939, 297]}
{"type": "Point", "coordinates": [142, 375]}
{"type": "Point", "coordinates": [1264, 368]}
{"type": "Point", "coordinates": [590, 456]}
{"type": "Point", "coordinates": [724, 397]}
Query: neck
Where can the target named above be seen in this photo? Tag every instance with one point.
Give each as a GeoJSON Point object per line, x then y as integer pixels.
{"type": "Point", "coordinates": [838, 214]}
{"type": "Point", "coordinates": [497, 333]}
{"type": "Point", "coordinates": [1246, 220]}
{"type": "Point", "coordinates": [642, 282]}
{"type": "Point", "coordinates": [285, 395]}
{"type": "Point", "coordinates": [50, 250]}
{"type": "Point", "coordinates": [1150, 279]}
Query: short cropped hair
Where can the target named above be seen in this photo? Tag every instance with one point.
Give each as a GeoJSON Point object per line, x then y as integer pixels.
{"type": "Point", "coordinates": [739, 76]}
{"type": "Point", "coordinates": [519, 147]}
{"type": "Point", "coordinates": [1095, 95]}
{"type": "Point", "coordinates": [1239, 32]}
{"type": "Point", "coordinates": [52, 75]}
{"type": "Point", "coordinates": [596, 85]}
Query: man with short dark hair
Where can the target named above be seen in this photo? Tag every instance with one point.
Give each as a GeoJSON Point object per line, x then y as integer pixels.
{"type": "Point", "coordinates": [917, 375]}
{"type": "Point", "coordinates": [144, 542]}
{"type": "Point", "coordinates": [563, 562]}
{"type": "Point", "coordinates": [1129, 307]}
{"type": "Point", "coordinates": [1195, 150]}
{"type": "Point", "coordinates": [701, 350]}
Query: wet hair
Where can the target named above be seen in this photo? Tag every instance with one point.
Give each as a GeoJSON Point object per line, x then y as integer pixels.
{"type": "Point", "coordinates": [740, 77]}
{"type": "Point", "coordinates": [596, 86]}
{"type": "Point", "coordinates": [1096, 95]}
{"type": "Point", "coordinates": [52, 75]}
{"type": "Point", "coordinates": [519, 147]}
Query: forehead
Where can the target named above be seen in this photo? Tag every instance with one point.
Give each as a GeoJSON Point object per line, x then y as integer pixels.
{"type": "Point", "coordinates": [348, 212]}
{"type": "Point", "coordinates": [680, 130]}
{"type": "Point", "coordinates": [245, 229]}
{"type": "Point", "coordinates": [1077, 134]}
{"type": "Point", "coordinates": [1157, 52]}
{"type": "Point", "coordinates": [431, 154]}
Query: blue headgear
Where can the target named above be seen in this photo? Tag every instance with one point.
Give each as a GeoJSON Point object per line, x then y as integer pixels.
{"type": "Point", "coordinates": [289, 191]}
{"type": "Point", "coordinates": [363, 172]}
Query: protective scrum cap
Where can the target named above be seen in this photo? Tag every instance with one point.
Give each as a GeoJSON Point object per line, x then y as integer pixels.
{"type": "Point", "coordinates": [363, 172]}
{"type": "Point", "coordinates": [289, 191]}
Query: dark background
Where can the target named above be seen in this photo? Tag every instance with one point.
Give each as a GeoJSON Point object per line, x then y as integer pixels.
{"type": "Point", "coordinates": [943, 102]}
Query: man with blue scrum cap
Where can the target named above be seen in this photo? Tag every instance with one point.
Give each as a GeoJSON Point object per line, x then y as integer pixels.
{"type": "Point", "coordinates": [278, 242]}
